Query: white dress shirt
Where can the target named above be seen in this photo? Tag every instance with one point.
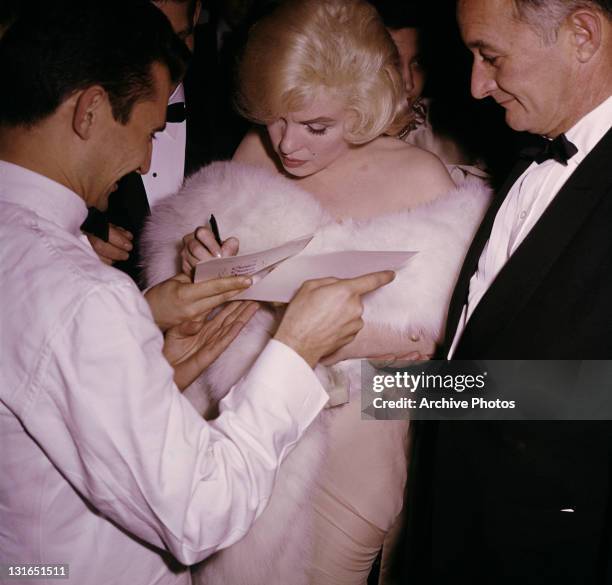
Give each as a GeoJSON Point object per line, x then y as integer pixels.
{"type": "Point", "coordinates": [525, 203]}
{"type": "Point", "coordinates": [165, 177]}
{"type": "Point", "coordinates": [104, 465]}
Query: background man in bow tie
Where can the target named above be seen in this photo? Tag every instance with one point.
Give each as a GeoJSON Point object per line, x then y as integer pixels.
{"type": "Point", "coordinates": [529, 502]}
{"type": "Point", "coordinates": [179, 150]}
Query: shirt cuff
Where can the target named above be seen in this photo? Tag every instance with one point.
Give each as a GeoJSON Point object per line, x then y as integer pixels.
{"type": "Point", "coordinates": [281, 376]}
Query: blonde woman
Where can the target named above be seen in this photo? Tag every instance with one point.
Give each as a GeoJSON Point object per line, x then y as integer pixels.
{"type": "Point", "coordinates": [320, 79]}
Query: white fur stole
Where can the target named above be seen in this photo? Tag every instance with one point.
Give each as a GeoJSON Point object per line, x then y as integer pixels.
{"type": "Point", "coordinates": [265, 210]}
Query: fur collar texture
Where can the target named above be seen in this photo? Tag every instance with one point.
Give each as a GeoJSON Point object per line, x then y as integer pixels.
{"type": "Point", "coordinates": [265, 210]}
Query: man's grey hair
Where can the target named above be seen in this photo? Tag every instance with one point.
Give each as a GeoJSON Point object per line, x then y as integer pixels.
{"type": "Point", "coordinates": [548, 15]}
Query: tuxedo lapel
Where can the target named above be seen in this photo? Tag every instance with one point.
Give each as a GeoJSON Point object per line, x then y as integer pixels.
{"type": "Point", "coordinates": [128, 206]}
{"type": "Point", "coordinates": [200, 136]}
{"type": "Point", "coordinates": [470, 264]}
{"type": "Point", "coordinates": [549, 238]}
{"type": "Point", "coordinates": [192, 158]}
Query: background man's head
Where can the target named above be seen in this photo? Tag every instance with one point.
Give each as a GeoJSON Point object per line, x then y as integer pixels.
{"type": "Point", "coordinates": [183, 16]}
{"type": "Point", "coordinates": [404, 21]}
{"type": "Point", "coordinates": [546, 62]}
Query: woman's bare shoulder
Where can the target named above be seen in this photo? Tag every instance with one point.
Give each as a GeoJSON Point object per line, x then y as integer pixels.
{"type": "Point", "coordinates": [255, 149]}
{"type": "Point", "coordinates": [392, 150]}
{"type": "Point", "coordinates": [406, 165]}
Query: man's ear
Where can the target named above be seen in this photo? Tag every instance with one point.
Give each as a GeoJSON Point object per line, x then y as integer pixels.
{"type": "Point", "coordinates": [586, 33]}
{"type": "Point", "coordinates": [89, 107]}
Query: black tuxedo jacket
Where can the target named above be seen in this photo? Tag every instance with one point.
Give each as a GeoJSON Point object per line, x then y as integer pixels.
{"type": "Point", "coordinates": [485, 498]}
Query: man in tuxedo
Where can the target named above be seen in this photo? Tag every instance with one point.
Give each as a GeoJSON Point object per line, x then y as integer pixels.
{"type": "Point", "coordinates": [528, 502]}
{"type": "Point", "coordinates": [178, 151]}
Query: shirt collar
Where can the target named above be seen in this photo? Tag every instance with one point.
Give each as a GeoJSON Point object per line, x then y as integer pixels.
{"type": "Point", "coordinates": [589, 130]}
{"type": "Point", "coordinates": [45, 197]}
{"type": "Point", "coordinates": [178, 95]}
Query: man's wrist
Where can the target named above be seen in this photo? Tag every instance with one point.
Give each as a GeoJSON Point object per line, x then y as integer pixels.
{"type": "Point", "coordinates": [309, 356]}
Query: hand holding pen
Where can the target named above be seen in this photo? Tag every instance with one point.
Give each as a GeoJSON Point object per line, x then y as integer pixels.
{"type": "Point", "coordinates": [214, 226]}
{"type": "Point", "coordinates": [205, 243]}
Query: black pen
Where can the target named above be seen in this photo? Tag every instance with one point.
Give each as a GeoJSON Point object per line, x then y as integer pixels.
{"type": "Point", "coordinates": [215, 229]}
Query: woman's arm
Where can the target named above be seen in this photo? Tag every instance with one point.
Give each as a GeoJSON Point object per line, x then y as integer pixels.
{"type": "Point", "coordinates": [420, 177]}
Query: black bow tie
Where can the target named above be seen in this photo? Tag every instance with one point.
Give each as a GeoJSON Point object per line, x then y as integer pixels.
{"type": "Point", "coordinates": [559, 149]}
{"type": "Point", "coordinates": [175, 113]}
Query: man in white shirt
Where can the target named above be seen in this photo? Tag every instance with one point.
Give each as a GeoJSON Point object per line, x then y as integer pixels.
{"type": "Point", "coordinates": [104, 465]}
{"type": "Point", "coordinates": [529, 502]}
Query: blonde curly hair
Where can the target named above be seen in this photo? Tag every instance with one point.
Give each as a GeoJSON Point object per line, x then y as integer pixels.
{"type": "Point", "coordinates": [338, 46]}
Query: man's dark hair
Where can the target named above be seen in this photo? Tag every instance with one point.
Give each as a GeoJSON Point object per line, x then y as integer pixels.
{"type": "Point", "coordinates": [400, 14]}
{"type": "Point", "coordinates": [64, 46]}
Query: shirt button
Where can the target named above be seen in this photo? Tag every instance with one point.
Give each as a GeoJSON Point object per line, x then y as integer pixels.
{"type": "Point", "coordinates": [414, 337]}
{"type": "Point", "coordinates": [523, 214]}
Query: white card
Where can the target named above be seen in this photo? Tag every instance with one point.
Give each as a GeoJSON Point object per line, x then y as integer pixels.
{"type": "Point", "coordinates": [281, 284]}
{"type": "Point", "coordinates": [249, 264]}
